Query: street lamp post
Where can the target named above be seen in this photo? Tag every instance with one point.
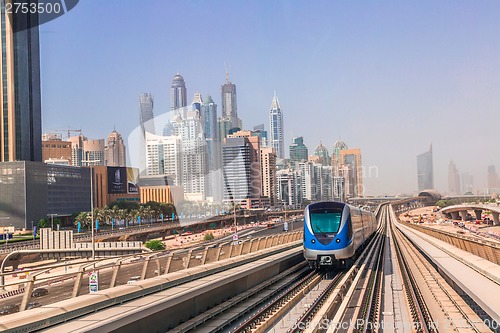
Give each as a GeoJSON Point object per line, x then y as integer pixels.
{"type": "Point", "coordinates": [90, 163]}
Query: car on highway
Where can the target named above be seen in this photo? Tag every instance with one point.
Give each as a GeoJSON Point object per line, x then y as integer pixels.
{"type": "Point", "coordinates": [33, 305]}
{"type": "Point", "coordinates": [8, 309]}
{"type": "Point", "coordinates": [133, 279]}
{"type": "Point", "coordinates": [38, 292]}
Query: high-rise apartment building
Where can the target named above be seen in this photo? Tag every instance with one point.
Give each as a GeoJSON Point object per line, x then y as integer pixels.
{"type": "Point", "coordinates": [289, 188]}
{"type": "Point", "coordinates": [453, 179]}
{"type": "Point", "coordinates": [236, 169]}
{"type": "Point", "coordinates": [262, 133]}
{"type": "Point", "coordinates": [197, 101]}
{"type": "Point", "coordinates": [54, 148]}
{"type": "Point", "coordinates": [493, 182]}
{"type": "Point", "coordinates": [253, 142]}
{"type": "Point", "coordinates": [20, 121]}
{"type": "Point", "coordinates": [229, 104]}
{"type": "Point", "coordinates": [351, 158]}
{"type": "Point", "coordinates": [77, 149]}
{"type": "Point", "coordinates": [178, 95]}
{"type": "Point", "coordinates": [187, 125]}
{"type": "Point", "coordinates": [146, 116]}
{"type": "Point", "coordinates": [298, 151]}
{"type": "Point", "coordinates": [93, 152]}
{"type": "Point", "coordinates": [276, 139]}
{"type": "Point", "coordinates": [467, 183]}
{"type": "Point", "coordinates": [268, 172]}
{"type": "Point", "coordinates": [322, 152]}
{"type": "Point", "coordinates": [214, 148]}
{"type": "Point", "coordinates": [163, 157]}
{"type": "Point", "coordinates": [114, 151]}
{"type": "Point", "coordinates": [425, 171]}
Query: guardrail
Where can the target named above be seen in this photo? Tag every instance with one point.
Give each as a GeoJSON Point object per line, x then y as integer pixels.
{"type": "Point", "coordinates": [162, 263]}
{"type": "Point", "coordinates": [481, 248]}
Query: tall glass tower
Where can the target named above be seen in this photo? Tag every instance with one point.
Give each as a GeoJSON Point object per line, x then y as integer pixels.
{"type": "Point", "coordinates": [178, 97]}
{"type": "Point", "coordinates": [20, 121]}
{"type": "Point", "coordinates": [276, 128]}
{"type": "Point", "coordinates": [425, 171]}
{"type": "Point", "coordinates": [146, 113]}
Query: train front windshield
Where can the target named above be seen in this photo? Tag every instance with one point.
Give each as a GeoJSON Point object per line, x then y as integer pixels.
{"type": "Point", "coordinates": [325, 220]}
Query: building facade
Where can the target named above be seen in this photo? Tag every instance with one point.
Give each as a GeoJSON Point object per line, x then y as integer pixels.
{"type": "Point", "coordinates": [214, 149]}
{"type": "Point", "coordinates": [163, 157]}
{"type": "Point", "coordinates": [114, 151]}
{"type": "Point", "coordinates": [453, 179]}
{"type": "Point", "coordinates": [178, 94]}
{"type": "Point", "coordinates": [229, 104]}
{"type": "Point", "coordinates": [351, 159]}
{"type": "Point", "coordinates": [298, 151]}
{"type": "Point", "coordinates": [425, 171]}
{"type": "Point", "coordinates": [33, 190]}
{"type": "Point", "coordinates": [53, 147]}
{"type": "Point", "coordinates": [268, 172]}
{"type": "Point", "coordinates": [277, 134]}
{"type": "Point", "coordinates": [236, 169]}
{"type": "Point", "coordinates": [21, 120]}
{"type": "Point", "coordinates": [146, 117]}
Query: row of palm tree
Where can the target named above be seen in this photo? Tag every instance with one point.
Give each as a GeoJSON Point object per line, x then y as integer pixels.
{"type": "Point", "coordinates": [127, 215]}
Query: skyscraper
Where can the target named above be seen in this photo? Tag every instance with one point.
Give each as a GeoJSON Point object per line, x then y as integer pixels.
{"type": "Point", "coordinates": [229, 105]}
{"type": "Point", "coordinates": [322, 152]}
{"type": "Point", "coordinates": [298, 151]}
{"type": "Point", "coordinates": [276, 128]}
{"type": "Point", "coordinates": [236, 169]}
{"type": "Point", "coordinates": [20, 121]}
{"type": "Point", "coordinates": [178, 96]}
{"type": "Point", "coordinates": [453, 179]}
{"type": "Point", "coordinates": [214, 153]}
{"type": "Point", "coordinates": [163, 157]}
{"type": "Point", "coordinates": [268, 171]}
{"type": "Point", "coordinates": [146, 113]}
{"type": "Point", "coordinates": [351, 158]}
{"type": "Point", "coordinates": [197, 101]}
{"type": "Point", "coordinates": [493, 183]}
{"type": "Point", "coordinates": [114, 151]}
{"type": "Point", "coordinates": [425, 171]}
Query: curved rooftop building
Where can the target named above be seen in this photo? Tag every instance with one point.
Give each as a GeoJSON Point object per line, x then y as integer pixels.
{"type": "Point", "coordinates": [178, 96]}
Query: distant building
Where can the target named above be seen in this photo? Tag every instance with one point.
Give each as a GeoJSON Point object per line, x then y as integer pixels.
{"type": "Point", "coordinates": [77, 149]}
{"type": "Point", "coordinates": [322, 152]}
{"type": "Point", "coordinates": [229, 104]}
{"type": "Point", "coordinates": [160, 189]}
{"type": "Point", "coordinates": [114, 151]}
{"type": "Point", "coordinates": [214, 149]}
{"type": "Point", "coordinates": [493, 182]}
{"type": "Point", "coordinates": [236, 166]}
{"type": "Point", "coordinates": [178, 95]}
{"type": "Point", "coordinates": [197, 101]}
{"type": "Point", "coordinates": [277, 134]}
{"type": "Point", "coordinates": [146, 117]}
{"type": "Point", "coordinates": [425, 171]}
{"type": "Point", "coordinates": [298, 151]}
{"type": "Point", "coordinates": [163, 157]}
{"type": "Point", "coordinates": [453, 179]}
{"type": "Point", "coordinates": [223, 125]}
{"type": "Point", "coordinates": [289, 188]}
{"type": "Point", "coordinates": [467, 183]}
{"type": "Point", "coordinates": [187, 125]}
{"type": "Point", "coordinates": [268, 171]}
{"type": "Point", "coordinates": [351, 158]}
{"type": "Point", "coordinates": [112, 184]}
{"type": "Point", "coordinates": [262, 133]}
{"type": "Point", "coordinates": [93, 152]}
{"type": "Point", "coordinates": [253, 142]}
{"type": "Point", "coordinates": [54, 148]}
{"type": "Point", "coordinates": [20, 119]}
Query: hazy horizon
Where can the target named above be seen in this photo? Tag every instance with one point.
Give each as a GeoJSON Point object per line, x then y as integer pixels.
{"type": "Point", "coordinates": [390, 78]}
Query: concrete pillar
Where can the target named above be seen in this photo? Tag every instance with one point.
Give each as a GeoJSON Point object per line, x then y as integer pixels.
{"type": "Point", "coordinates": [478, 213]}
{"type": "Point", "coordinates": [463, 214]}
{"type": "Point", "coordinates": [78, 283]}
{"type": "Point", "coordinates": [169, 262]}
{"type": "Point", "coordinates": [145, 268]}
{"type": "Point", "coordinates": [27, 294]}
{"type": "Point", "coordinates": [454, 215]}
{"type": "Point", "coordinates": [495, 218]}
{"type": "Point", "coordinates": [231, 247]}
{"type": "Point", "coordinates": [158, 265]}
{"type": "Point", "coordinates": [116, 269]}
{"type": "Point", "coordinates": [251, 247]}
{"type": "Point", "coordinates": [204, 258]}
{"type": "Point", "coordinates": [188, 259]}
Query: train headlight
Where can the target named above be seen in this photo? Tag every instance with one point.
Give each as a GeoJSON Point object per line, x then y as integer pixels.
{"type": "Point", "coordinates": [337, 240]}
{"type": "Point", "coordinates": [313, 241]}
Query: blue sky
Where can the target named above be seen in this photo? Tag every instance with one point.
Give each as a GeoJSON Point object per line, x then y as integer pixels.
{"type": "Point", "coordinates": [389, 77]}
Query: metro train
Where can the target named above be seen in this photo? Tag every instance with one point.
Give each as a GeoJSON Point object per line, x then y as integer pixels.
{"type": "Point", "coordinates": [334, 231]}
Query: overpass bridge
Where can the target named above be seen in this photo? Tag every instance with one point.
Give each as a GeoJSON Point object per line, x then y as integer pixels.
{"type": "Point", "coordinates": [461, 211]}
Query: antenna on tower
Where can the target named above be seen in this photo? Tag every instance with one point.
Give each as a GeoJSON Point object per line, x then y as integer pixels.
{"type": "Point", "coordinates": [227, 71]}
